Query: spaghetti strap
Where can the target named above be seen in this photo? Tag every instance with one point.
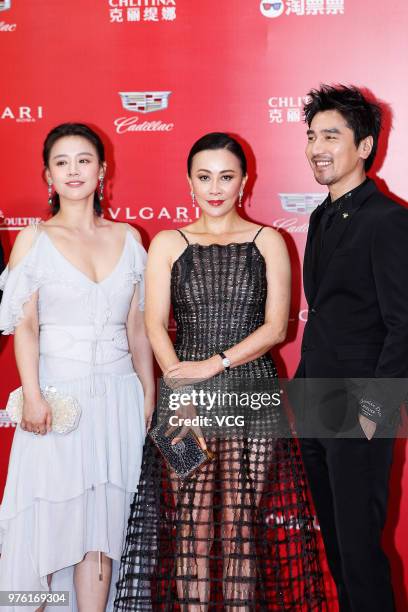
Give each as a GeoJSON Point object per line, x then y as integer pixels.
{"type": "Point", "coordinates": [258, 232]}
{"type": "Point", "coordinates": [184, 236]}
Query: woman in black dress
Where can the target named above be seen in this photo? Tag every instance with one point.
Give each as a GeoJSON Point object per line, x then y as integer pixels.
{"type": "Point", "coordinates": [237, 535]}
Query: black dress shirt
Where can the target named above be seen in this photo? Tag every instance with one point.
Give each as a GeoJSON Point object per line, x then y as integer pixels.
{"type": "Point", "coordinates": [333, 211]}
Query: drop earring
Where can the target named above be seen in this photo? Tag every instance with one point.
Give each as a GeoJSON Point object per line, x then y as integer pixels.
{"type": "Point", "coordinates": [240, 196]}
{"type": "Point", "coordinates": [101, 188]}
{"type": "Point", "coordinates": [50, 194]}
{"type": "Point", "coordinates": [193, 198]}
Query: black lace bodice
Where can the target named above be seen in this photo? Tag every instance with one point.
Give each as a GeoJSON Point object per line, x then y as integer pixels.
{"type": "Point", "coordinates": [218, 294]}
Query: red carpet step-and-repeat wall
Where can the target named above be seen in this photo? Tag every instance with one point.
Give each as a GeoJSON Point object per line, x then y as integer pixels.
{"type": "Point", "coordinates": [154, 75]}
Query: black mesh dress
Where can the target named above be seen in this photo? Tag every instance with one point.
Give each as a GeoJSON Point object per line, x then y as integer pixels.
{"type": "Point", "coordinates": [238, 535]}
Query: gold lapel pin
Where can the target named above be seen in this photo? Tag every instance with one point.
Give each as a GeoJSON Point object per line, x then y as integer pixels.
{"type": "Point", "coordinates": [345, 215]}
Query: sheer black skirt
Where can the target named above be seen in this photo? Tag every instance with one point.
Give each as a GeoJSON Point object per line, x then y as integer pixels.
{"type": "Point", "coordinates": [238, 535]}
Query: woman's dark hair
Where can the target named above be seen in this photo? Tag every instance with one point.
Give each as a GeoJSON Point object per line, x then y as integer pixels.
{"type": "Point", "coordinates": [362, 116]}
{"type": "Point", "coordinates": [214, 141]}
{"type": "Point", "coordinates": [73, 129]}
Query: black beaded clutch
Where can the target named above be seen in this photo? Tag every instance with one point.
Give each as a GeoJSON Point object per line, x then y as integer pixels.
{"type": "Point", "coordinates": [185, 457]}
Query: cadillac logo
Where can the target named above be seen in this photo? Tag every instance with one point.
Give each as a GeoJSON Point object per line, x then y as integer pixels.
{"type": "Point", "coordinates": [145, 101]}
{"type": "Point", "coordinates": [303, 203]}
{"type": "Point", "coordinates": [5, 5]}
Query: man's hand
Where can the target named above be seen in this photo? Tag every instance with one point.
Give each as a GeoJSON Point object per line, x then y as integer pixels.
{"type": "Point", "coordinates": [367, 426]}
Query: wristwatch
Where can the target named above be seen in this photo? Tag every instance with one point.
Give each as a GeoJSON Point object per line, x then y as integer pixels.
{"type": "Point", "coordinates": [225, 361]}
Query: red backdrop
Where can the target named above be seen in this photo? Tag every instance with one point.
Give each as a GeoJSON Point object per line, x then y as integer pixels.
{"type": "Point", "coordinates": [195, 66]}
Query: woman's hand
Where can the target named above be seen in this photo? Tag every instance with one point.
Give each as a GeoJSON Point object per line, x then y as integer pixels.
{"type": "Point", "coordinates": [186, 415]}
{"type": "Point", "coordinates": [189, 372]}
{"type": "Point", "coordinates": [149, 406]}
{"type": "Point", "coordinates": [37, 416]}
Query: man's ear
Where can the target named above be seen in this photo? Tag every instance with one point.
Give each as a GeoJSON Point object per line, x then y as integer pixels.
{"type": "Point", "coordinates": [366, 146]}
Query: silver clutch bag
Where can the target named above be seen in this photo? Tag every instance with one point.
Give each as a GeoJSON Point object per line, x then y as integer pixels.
{"type": "Point", "coordinates": [185, 457]}
{"type": "Point", "coordinates": [65, 409]}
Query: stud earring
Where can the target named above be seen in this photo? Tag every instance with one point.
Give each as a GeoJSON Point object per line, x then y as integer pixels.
{"type": "Point", "coordinates": [193, 198]}
{"type": "Point", "coordinates": [50, 194]}
{"type": "Point", "coordinates": [240, 196]}
{"type": "Point", "coordinates": [101, 188]}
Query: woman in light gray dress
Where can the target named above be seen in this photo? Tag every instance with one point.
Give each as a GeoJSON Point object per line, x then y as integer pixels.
{"type": "Point", "coordinates": [73, 296]}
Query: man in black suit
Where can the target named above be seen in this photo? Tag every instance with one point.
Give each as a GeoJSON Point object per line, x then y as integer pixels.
{"type": "Point", "coordinates": [356, 285]}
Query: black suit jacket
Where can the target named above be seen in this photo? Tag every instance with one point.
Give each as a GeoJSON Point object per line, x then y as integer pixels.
{"type": "Point", "coordinates": [357, 292]}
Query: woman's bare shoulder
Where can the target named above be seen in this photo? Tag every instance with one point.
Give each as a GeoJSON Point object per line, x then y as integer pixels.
{"type": "Point", "coordinates": [135, 233]}
{"type": "Point", "coordinates": [270, 237]}
{"type": "Point", "coordinates": [169, 238]}
{"type": "Point", "coordinates": [23, 243]}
